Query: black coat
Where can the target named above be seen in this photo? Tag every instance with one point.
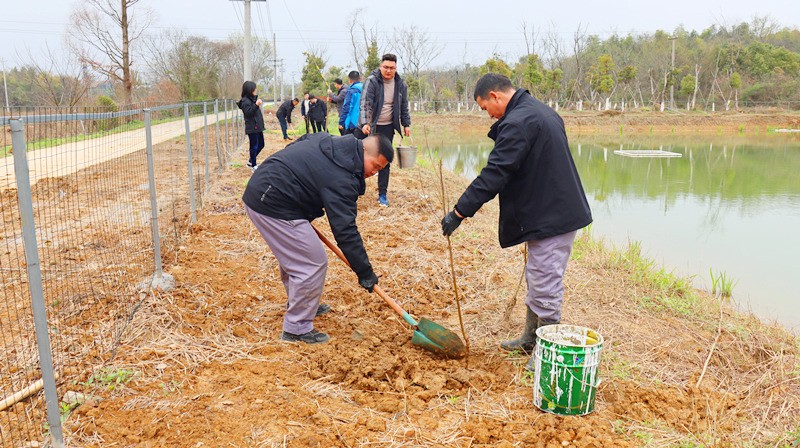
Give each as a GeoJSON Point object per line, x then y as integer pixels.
{"type": "Point", "coordinates": [319, 111]}
{"type": "Point", "coordinates": [532, 170]}
{"type": "Point", "coordinates": [316, 172]}
{"type": "Point", "coordinates": [286, 110]}
{"type": "Point", "coordinates": [372, 102]}
{"type": "Point", "coordinates": [253, 117]}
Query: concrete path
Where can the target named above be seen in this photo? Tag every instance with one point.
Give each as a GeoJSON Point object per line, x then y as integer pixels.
{"type": "Point", "coordinates": [72, 157]}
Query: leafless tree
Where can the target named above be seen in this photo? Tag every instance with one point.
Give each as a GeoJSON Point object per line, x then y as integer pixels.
{"type": "Point", "coordinates": [360, 38]}
{"type": "Point", "coordinates": [763, 26]}
{"type": "Point", "coordinates": [103, 31]}
{"type": "Point", "coordinates": [200, 68]}
{"type": "Point", "coordinates": [530, 36]}
{"type": "Point", "coordinates": [579, 42]}
{"type": "Point", "coordinates": [416, 47]}
{"type": "Point", "coordinates": [553, 52]}
{"type": "Point", "coordinates": [58, 78]}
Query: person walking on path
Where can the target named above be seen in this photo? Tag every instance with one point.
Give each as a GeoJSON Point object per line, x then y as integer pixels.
{"type": "Point", "coordinates": [250, 105]}
{"type": "Point", "coordinates": [384, 109]}
{"type": "Point", "coordinates": [542, 201]}
{"type": "Point", "coordinates": [338, 98]}
{"type": "Point", "coordinates": [312, 176]}
{"type": "Point", "coordinates": [318, 114]}
{"type": "Point", "coordinates": [348, 118]}
{"type": "Point", "coordinates": [284, 115]}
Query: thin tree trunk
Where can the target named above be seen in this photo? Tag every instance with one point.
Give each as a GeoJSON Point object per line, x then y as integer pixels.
{"type": "Point", "coordinates": [127, 82]}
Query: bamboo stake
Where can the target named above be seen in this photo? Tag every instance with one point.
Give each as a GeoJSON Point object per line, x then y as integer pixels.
{"type": "Point", "coordinates": [513, 301]}
{"type": "Point", "coordinates": [711, 350]}
{"type": "Point", "coordinates": [452, 267]}
{"type": "Point", "coordinates": [15, 398]}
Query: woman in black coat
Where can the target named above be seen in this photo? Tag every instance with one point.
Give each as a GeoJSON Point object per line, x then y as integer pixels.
{"type": "Point", "coordinates": [319, 114]}
{"type": "Point", "coordinates": [250, 105]}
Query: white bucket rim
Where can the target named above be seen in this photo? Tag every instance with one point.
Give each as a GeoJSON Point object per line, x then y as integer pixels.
{"type": "Point", "coordinates": [546, 332]}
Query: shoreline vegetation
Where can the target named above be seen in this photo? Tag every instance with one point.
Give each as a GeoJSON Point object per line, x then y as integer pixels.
{"type": "Point", "coordinates": [680, 366]}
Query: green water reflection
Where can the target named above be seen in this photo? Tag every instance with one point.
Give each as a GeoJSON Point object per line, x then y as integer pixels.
{"type": "Point", "coordinates": [727, 204]}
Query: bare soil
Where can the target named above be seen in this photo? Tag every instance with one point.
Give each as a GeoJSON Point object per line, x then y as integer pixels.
{"type": "Point", "coordinates": [211, 371]}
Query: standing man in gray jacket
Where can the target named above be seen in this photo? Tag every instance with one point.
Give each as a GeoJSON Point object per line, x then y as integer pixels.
{"type": "Point", "coordinates": [338, 98]}
{"type": "Point", "coordinates": [384, 109]}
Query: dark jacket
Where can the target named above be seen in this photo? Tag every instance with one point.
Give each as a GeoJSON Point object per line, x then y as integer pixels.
{"type": "Point", "coordinates": [372, 101]}
{"type": "Point", "coordinates": [253, 117]}
{"type": "Point", "coordinates": [338, 98]}
{"type": "Point", "coordinates": [319, 111]}
{"type": "Point", "coordinates": [285, 110]}
{"type": "Point", "coordinates": [316, 172]}
{"type": "Point", "coordinates": [532, 170]}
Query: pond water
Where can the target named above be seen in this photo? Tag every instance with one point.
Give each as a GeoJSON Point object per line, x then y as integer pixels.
{"type": "Point", "coordinates": [728, 205]}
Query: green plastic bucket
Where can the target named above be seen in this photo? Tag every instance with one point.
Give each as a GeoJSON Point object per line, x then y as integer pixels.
{"type": "Point", "coordinates": [566, 358]}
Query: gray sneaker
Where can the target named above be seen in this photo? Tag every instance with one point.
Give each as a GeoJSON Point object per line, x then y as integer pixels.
{"type": "Point", "coordinates": [312, 337]}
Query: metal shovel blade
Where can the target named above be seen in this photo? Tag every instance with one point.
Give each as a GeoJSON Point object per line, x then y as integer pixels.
{"type": "Point", "coordinates": [437, 339]}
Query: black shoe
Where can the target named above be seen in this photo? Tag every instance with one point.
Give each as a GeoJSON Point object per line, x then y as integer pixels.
{"type": "Point", "coordinates": [322, 309]}
{"type": "Point", "coordinates": [312, 337]}
{"type": "Point", "coordinates": [288, 138]}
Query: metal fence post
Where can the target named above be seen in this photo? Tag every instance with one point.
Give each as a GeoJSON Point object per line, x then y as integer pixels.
{"type": "Point", "coordinates": [151, 178]}
{"type": "Point", "coordinates": [227, 138]}
{"type": "Point", "coordinates": [219, 151]}
{"type": "Point", "coordinates": [35, 281]}
{"type": "Point", "coordinates": [192, 209]}
{"type": "Point", "coordinates": [205, 141]}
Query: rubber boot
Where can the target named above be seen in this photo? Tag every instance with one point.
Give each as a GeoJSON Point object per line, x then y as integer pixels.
{"type": "Point", "coordinates": [530, 367]}
{"type": "Point", "coordinates": [527, 340]}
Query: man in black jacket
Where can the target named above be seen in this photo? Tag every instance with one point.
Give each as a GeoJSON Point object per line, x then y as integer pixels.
{"type": "Point", "coordinates": [542, 202]}
{"type": "Point", "coordinates": [292, 188]}
{"type": "Point", "coordinates": [284, 115]}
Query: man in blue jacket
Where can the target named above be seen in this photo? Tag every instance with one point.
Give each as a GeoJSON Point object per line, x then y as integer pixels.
{"type": "Point", "coordinates": [542, 202]}
{"type": "Point", "coordinates": [384, 109]}
{"type": "Point", "coordinates": [314, 175]}
{"type": "Point", "coordinates": [348, 118]}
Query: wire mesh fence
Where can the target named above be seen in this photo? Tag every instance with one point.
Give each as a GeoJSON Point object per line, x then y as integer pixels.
{"type": "Point", "coordinates": [470, 107]}
{"type": "Point", "coordinates": [92, 200]}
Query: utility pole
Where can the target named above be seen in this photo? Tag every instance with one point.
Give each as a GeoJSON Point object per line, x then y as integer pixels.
{"type": "Point", "coordinates": [248, 44]}
{"type": "Point", "coordinates": [5, 87]}
{"type": "Point", "coordinates": [672, 76]}
{"type": "Point", "coordinates": [275, 69]}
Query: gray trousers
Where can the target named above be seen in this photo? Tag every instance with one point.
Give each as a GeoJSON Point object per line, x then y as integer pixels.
{"type": "Point", "coordinates": [303, 265]}
{"type": "Point", "coordinates": [547, 262]}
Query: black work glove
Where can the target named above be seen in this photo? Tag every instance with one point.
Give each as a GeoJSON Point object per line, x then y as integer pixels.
{"type": "Point", "coordinates": [450, 222]}
{"type": "Point", "coordinates": [368, 280]}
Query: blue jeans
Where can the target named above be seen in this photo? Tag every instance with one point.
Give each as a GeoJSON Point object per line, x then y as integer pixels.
{"type": "Point", "coordinates": [256, 145]}
{"type": "Point", "coordinates": [284, 125]}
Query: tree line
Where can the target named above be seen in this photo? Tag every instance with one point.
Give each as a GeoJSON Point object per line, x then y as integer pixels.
{"type": "Point", "coordinates": [112, 60]}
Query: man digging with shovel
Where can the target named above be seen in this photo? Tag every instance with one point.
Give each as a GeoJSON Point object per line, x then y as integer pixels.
{"type": "Point", "coordinates": [292, 188]}
{"type": "Point", "coordinates": [542, 202]}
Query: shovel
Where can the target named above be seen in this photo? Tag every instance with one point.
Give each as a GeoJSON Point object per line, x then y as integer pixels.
{"type": "Point", "coordinates": [428, 335]}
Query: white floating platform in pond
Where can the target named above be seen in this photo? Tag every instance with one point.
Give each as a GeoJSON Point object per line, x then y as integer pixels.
{"type": "Point", "coordinates": [646, 153]}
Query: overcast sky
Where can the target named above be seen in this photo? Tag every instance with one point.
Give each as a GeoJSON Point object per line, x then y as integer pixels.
{"type": "Point", "coordinates": [468, 31]}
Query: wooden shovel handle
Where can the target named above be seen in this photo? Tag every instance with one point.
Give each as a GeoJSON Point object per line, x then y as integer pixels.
{"type": "Point", "coordinates": [377, 288]}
